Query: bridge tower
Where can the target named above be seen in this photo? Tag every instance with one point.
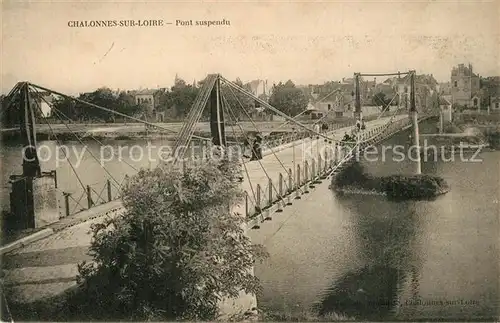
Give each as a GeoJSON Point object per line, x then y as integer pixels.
{"type": "Point", "coordinates": [414, 118]}
{"type": "Point", "coordinates": [357, 98]}
{"type": "Point", "coordinates": [209, 97]}
{"type": "Point", "coordinates": [217, 129]}
{"type": "Point", "coordinates": [33, 199]}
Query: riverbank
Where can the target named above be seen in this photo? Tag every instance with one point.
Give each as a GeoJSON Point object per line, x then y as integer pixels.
{"type": "Point", "coordinates": [167, 131]}
{"type": "Point", "coordinates": [474, 129]}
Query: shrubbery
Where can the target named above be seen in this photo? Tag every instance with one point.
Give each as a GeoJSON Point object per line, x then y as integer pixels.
{"type": "Point", "coordinates": [413, 187]}
{"type": "Point", "coordinates": [176, 251]}
{"type": "Point", "coordinates": [395, 186]}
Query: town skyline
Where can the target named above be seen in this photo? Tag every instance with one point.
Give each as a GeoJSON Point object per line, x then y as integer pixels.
{"type": "Point", "coordinates": [306, 43]}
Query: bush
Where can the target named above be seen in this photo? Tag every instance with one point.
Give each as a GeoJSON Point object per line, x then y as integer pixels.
{"type": "Point", "coordinates": [394, 186]}
{"type": "Point", "coordinates": [176, 252]}
{"type": "Point", "coordinates": [413, 187]}
{"type": "Point", "coordinates": [450, 127]}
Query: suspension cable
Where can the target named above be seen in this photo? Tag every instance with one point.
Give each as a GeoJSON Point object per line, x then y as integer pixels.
{"type": "Point", "coordinates": [293, 179]}
{"type": "Point", "coordinates": [384, 74]}
{"type": "Point", "coordinates": [387, 123]}
{"type": "Point", "coordinates": [328, 112]}
{"type": "Point", "coordinates": [380, 115]}
{"type": "Point", "coordinates": [244, 164]}
{"type": "Point", "coordinates": [345, 158]}
{"type": "Point", "coordinates": [256, 128]}
{"type": "Point", "coordinates": [301, 113]}
{"type": "Point", "coordinates": [81, 142]}
{"type": "Point", "coordinates": [59, 113]}
{"type": "Point", "coordinates": [64, 151]}
{"type": "Point", "coordinates": [9, 98]}
{"type": "Point", "coordinates": [270, 107]}
{"type": "Point", "coordinates": [109, 110]}
{"type": "Point", "coordinates": [260, 163]}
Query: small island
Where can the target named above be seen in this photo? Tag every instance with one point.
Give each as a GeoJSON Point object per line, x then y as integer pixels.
{"type": "Point", "coordinates": [400, 187]}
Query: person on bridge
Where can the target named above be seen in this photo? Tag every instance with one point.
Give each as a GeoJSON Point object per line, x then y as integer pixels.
{"type": "Point", "coordinates": [246, 148]}
{"type": "Point", "coordinates": [324, 127]}
{"type": "Point", "coordinates": [346, 139]}
{"type": "Point", "coordinates": [363, 126]}
{"type": "Point", "coordinates": [257, 148]}
{"type": "Point", "coordinates": [316, 130]}
{"type": "Point", "coordinates": [358, 125]}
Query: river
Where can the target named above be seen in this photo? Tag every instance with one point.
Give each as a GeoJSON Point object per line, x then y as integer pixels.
{"type": "Point", "coordinates": [369, 258]}
{"type": "Point", "coordinates": [359, 256]}
{"type": "Point", "coordinates": [88, 163]}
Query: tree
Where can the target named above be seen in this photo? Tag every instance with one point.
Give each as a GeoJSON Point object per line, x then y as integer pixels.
{"type": "Point", "coordinates": [181, 97]}
{"type": "Point", "coordinates": [379, 99]}
{"type": "Point", "coordinates": [288, 99]}
{"type": "Point", "coordinates": [240, 104]}
{"type": "Point", "coordinates": [11, 111]}
{"type": "Point", "coordinates": [175, 252]}
{"type": "Point", "coordinates": [126, 104]}
{"type": "Point", "coordinates": [64, 107]}
{"type": "Point", "coordinates": [102, 97]}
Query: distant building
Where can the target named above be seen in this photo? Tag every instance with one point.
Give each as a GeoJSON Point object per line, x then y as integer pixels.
{"type": "Point", "coordinates": [148, 98]}
{"type": "Point", "coordinates": [259, 88]}
{"type": "Point", "coordinates": [490, 92]}
{"type": "Point", "coordinates": [445, 88]}
{"type": "Point", "coordinates": [314, 113]}
{"type": "Point", "coordinates": [465, 87]}
{"type": "Point", "coordinates": [445, 108]}
{"type": "Point", "coordinates": [329, 98]}
{"type": "Point", "coordinates": [426, 90]}
{"type": "Point", "coordinates": [44, 101]}
{"type": "Point", "coordinates": [495, 103]}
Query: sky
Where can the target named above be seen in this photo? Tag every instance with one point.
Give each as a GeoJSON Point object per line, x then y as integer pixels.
{"type": "Point", "coordinates": [307, 42]}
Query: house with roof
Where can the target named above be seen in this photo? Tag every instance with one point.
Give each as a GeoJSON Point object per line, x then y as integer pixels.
{"type": "Point", "coordinates": [146, 98]}
{"type": "Point", "coordinates": [465, 86]}
{"type": "Point", "coordinates": [338, 97]}
{"type": "Point", "coordinates": [259, 88]}
{"type": "Point", "coordinates": [426, 89]}
{"type": "Point", "coordinates": [445, 88]}
{"type": "Point", "coordinates": [314, 112]}
{"type": "Point", "coordinates": [385, 88]}
{"type": "Point", "coordinates": [495, 103]}
{"type": "Point", "coordinates": [44, 100]}
{"type": "Point", "coordinates": [149, 98]}
{"type": "Point", "coordinates": [490, 92]}
{"type": "Point", "coordinates": [331, 98]}
{"type": "Point", "coordinates": [445, 108]}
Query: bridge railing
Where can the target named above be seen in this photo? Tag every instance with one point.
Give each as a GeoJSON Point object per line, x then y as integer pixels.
{"type": "Point", "coordinates": [71, 203]}
{"type": "Point", "coordinates": [108, 190]}
{"type": "Point", "coordinates": [291, 185]}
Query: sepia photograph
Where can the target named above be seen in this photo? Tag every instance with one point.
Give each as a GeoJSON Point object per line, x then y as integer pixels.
{"type": "Point", "coordinates": [238, 161]}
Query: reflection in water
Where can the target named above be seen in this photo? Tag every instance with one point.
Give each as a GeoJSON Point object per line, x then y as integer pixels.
{"type": "Point", "coordinates": [386, 232]}
{"type": "Point", "coordinates": [372, 259]}
{"type": "Point", "coordinates": [367, 293]}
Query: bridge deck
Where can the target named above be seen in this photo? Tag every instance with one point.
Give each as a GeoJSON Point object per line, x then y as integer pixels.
{"type": "Point", "coordinates": [48, 266]}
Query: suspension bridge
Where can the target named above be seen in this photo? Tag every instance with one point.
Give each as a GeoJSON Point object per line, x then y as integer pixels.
{"type": "Point", "coordinates": [52, 222]}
